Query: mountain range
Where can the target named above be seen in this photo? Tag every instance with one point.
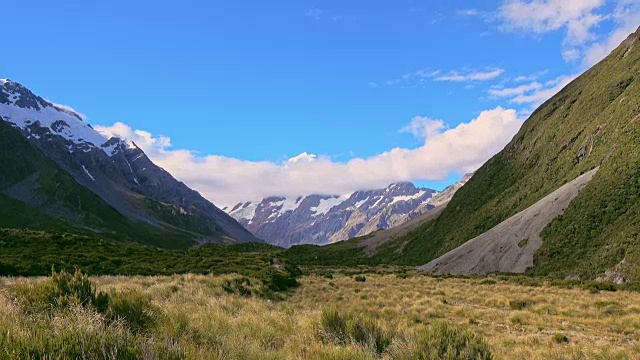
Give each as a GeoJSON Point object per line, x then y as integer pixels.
{"type": "Point", "coordinates": [325, 219]}
{"type": "Point", "coordinates": [561, 200]}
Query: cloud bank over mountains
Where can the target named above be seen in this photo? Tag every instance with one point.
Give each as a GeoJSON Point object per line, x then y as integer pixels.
{"type": "Point", "coordinates": [444, 150]}
{"type": "Point", "coordinates": [226, 180]}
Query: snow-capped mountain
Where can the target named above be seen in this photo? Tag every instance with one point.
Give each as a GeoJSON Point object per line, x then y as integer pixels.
{"type": "Point", "coordinates": [115, 169]}
{"type": "Point", "coordinates": [324, 219]}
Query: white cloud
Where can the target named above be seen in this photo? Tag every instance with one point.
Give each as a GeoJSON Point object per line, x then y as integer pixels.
{"type": "Point", "coordinates": [315, 13]}
{"type": "Point", "coordinates": [412, 79]}
{"type": "Point", "coordinates": [626, 18]}
{"type": "Point", "coordinates": [531, 77]}
{"type": "Point", "coordinates": [541, 16]}
{"type": "Point", "coordinates": [303, 157]}
{"type": "Point", "coordinates": [533, 94]}
{"type": "Point", "coordinates": [318, 14]}
{"type": "Point", "coordinates": [470, 75]}
{"type": "Point", "coordinates": [578, 19]}
{"type": "Point", "coordinates": [68, 109]}
{"type": "Point", "coordinates": [226, 181]}
{"type": "Point", "coordinates": [542, 94]}
{"type": "Point", "coordinates": [424, 128]}
{"type": "Point", "coordinates": [468, 12]}
{"type": "Point", "coordinates": [487, 16]}
{"type": "Point", "coordinates": [373, 84]}
{"type": "Point", "coordinates": [503, 92]}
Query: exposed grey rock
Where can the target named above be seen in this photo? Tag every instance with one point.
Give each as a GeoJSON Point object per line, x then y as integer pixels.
{"type": "Point", "coordinates": [510, 245]}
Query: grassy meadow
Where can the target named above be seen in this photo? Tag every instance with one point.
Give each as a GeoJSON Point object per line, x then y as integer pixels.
{"type": "Point", "coordinates": [329, 316]}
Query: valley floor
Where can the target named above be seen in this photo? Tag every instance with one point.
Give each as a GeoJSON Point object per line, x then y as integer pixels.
{"type": "Point", "coordinates": [194, 317]}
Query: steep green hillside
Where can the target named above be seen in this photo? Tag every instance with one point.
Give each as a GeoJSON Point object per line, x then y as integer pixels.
{"type": "Point", "coordinates": [27, 174]}
{"type": "Point", "coordinates": [593, 121]}
{"type": "Point", "coordinates": [35, 193]}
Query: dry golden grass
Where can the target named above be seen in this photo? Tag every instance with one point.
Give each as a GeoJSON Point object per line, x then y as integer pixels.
{"type": "Point", "coordinates": [202, 321]}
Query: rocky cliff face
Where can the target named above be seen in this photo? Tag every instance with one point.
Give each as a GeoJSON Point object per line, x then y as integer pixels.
{"type": "Point", "coordinates": [115, 169]}
{"type": "Point", "coordinates": [324, 219]}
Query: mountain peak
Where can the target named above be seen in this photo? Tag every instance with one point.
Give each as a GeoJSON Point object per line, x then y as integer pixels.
{"type": "Point", "coordinates": [16, 94]}
{"type": "Point", "coordinates": [35, 115]}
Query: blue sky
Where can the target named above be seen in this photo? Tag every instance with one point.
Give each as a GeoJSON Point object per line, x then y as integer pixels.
{"type": "Point", "coordinates": [240, 87]}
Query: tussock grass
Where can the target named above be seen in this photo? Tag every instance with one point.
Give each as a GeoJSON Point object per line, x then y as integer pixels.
{"type": "Point", "coordinates": [195, 317]}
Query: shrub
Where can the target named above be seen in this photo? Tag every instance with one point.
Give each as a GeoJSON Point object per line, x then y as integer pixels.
{"type": "Point", "coordinates": [560, 338]}
{"type": "Point", "coordinates": [62, 290]}
{"type": "Point", "coordinates": [360, 278]}
{"type": "Point", "coordinates": [279, 280]}
{"type": "Point", "coordinates": [133, 308]}
{"type": "Point", "coordinates": [344, 329]}
{"type": "Point", "coordinates": [602, 286]}
{"type": "Point", "coordinates": [519, 304]}
{"type": "Point", "coordinates": [402, 275]}
{"type": "Point", "coordinates": [442, 341]}
{"type": "Point", "coordinates": [328, 275]}
{"type": "Point", "coordinates": [278, 277]}
{"type": "Point", "coordinates": [241, 286]}
{"type": "Point", "coordinates": [522, 243]}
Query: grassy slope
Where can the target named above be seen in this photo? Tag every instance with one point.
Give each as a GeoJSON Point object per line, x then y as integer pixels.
{"type": "Point", "coordinates": [596, 114]}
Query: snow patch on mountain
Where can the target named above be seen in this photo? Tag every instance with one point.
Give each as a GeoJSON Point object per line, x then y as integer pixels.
{"type": "Point", "coordinates": [326, 205]}
{"type": "Point", "coordinates": [290, 204]}
{"type": "Point", "coordinates": [417, 195]}
{"type": "Point", "coordinates": [88, 173]}
{"type": "Point", "coordinates": [361, 202]}
{"type": "Point", "coordinates": [247, 211]}
{"type": "Point", "coordinates": [22, 108]}
{"type": "Point", "coordinates": [380, 198]}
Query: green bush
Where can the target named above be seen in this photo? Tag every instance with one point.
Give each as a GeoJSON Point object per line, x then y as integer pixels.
{"type": "Point", "coordinates": [560, 338]}
{"type": "Point", "coordinates": [278, 280]}
{"type": "Point", "coordinates": [64, 290]}
{"type": "Point", "coordinates": [133, 308]}
{"type": "Point", "coordinates": [442, 341]}
{"type": "Point", "coordinates": [61, 291]}
{"type": "Point", "coordinates": [519, 304]}
{"type": "Point", "coordinates": [360, 278]}
{"type": "Point", "coordinates": [241, 286]}
{"type": "Point", "coordinates": [345, 329]}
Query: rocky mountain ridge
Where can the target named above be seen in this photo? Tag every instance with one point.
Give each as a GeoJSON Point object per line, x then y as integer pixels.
{"type": "Point", "coordinates": [325, 219]}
